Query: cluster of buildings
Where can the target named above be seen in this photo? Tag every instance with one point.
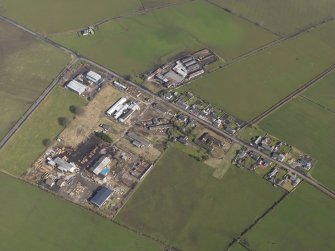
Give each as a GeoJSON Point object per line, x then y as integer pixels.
{"type": "Point", "coordinates": [209, 142]}
{"type": "Point", "coordinates": [184, 69]}
{"type": "Point", "coordinates": [278, 150]}
{"type": "Point", "coordinates": [95, 173]}
{"type": "Point", "coordinates": [250, 160]}
{"type": "Point", "coordinates": [203, 110]}
{"type": "Point", "coordinates": [122, 109]}
{"type": "Point", "coordinates": [83, 82]}
{"type": "Point", "coordinates": [90, 30]}
{"type": "Point", "coordinates": [303, 161]}
{"type": "Point", "coordinates": [286, 180]}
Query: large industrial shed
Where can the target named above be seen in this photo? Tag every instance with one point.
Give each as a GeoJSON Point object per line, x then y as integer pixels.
{"type": "Point", "coordinates": [76, 87]}
{"type": "Point", "coordinates": [94, 77]}
{"type": "Point", "coordinates": [101, 196]}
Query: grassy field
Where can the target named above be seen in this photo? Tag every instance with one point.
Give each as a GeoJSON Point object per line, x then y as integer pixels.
{"type": "Point", "coordinates": [27, 144]}
{"type": "Point", "coordinates": [27, 67]}
{"type": "Point", "coordinates": [249, 87]}
{"type": "Point", "coordinates": [310, 128]}
{"type": "Point", "coordinates": [34, 220]}
{"type": "Point", "coordinates": [303, 221]}
{"type": "Point", "coordinates": [158, 3]}
{"type": "Point", "coordinates": [284, 16]}
{"type": "Point", "coordinates": [93, 116]}
{"type": "Point", "coordinates": [135, 44]}
{"type": "Point", "coordinates": [182, 203]}
{"type": "Point", "coordinates": [323, 93]}
{"type": "Point", "coordinates": [50, 16]}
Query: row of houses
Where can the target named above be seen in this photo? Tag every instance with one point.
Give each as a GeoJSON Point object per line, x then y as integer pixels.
{"type": "Point", "coordinates": [273, 147]}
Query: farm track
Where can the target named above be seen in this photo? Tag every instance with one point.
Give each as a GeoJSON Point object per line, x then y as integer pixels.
{"type": "Point", "coordinates": [310, 180]}
{"type": "Point", "coordinates": [292, 95]}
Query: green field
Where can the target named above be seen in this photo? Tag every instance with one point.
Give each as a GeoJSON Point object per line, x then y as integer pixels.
{"type": "Point", "coordinates": [158, 3]}
{"type": "Point", "coordinates": [323, 93]}
{"type": "Point", "coordinates": [284, 16]}
{"type": "Point", "coordinates": [303, 221]}
{"type": "Point", "coordinates": [135, 44]}
{"type": "Point", "coordinates": [49, 16]}
{"type": "Point", "coordinates": [27, 144]}
{"type": "Point", "coordinates": [182, 203]}
{"type": "Point", "coordinates": [27, 67]}
{"type": "Point", "coordinates": [251, 86]}
{"type": "Point", "coordinates": [310, 128]}
{"type": "Point", "coordinates": [35, 220]}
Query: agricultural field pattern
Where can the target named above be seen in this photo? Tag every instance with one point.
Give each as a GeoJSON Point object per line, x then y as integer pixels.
{"type": "Point", "coordinates": [167, 125]}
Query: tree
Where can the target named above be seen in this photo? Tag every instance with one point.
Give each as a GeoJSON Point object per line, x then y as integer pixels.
{"type": "Point", "coordinates": [103, 136]}
{"type": "Point", "coordinates": [204, 157]}
{"type": "Point", "coordinates": [63, 121]}
{"type": "Point", "coordinates": [46, 142]}
{"type": "Point", "coordinates": [77, 110]}
{"type": "Point", "coordinates": [127, 77]}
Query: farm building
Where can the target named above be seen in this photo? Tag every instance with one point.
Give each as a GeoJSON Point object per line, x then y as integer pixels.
{"type": "Point", "coordinates": [122, 110]}
{"type": "Point", "coordinates": [137, 140]}
{"type": "Point", "coordinates": [94, 77]}
{"type": "Point", "coordinates": [101, 196]}
{"type": "Point", "coordinates": [62, 165]}
{"type": "Point", "coordinates": [101, 165]}
{"type": "Point", "coordinates": [174, 77]}
{"type": "Point", "coordinates": [116, 107]}
{"type": "Point", "coordinates": [76, 87]}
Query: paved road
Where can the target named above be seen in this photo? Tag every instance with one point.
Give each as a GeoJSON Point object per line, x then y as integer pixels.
{"type": "Point", "coordinates": [310, 180]}
{"type": "Point", "coordinates": [33, 107]}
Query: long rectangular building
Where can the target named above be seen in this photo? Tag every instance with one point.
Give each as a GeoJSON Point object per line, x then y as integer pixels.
{"type": "Point", "coordinates": [76, 87]}
{"type": "Point", "coordinates": [116, 107]}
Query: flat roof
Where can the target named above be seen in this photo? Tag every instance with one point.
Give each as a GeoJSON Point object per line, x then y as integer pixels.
{"type": "Point", "coordinates": [76, 86]}
{"type": "Point", "coordinates": [101, 196]}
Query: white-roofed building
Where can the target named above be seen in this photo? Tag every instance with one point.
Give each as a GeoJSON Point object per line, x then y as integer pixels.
{"type": "Point", "coordinates": [76, 87]}
{"type": "Point", "coordinates": [63, 165]}
{"type": "Point", "coordinates": [93, 76]}
{"type": "Point", "coordinates": [116, 107]}
{"type": "Point", "coordinates": [100, 165]}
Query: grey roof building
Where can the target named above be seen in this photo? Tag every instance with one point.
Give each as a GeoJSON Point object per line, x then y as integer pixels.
{"type": "Point", "coordinates": [102, 195]}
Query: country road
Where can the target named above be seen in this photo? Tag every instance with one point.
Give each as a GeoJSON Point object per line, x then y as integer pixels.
{"type": "Point", "coordinates": [34, 106]}
{"type": "Point", "coordinates": [311, 181]}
